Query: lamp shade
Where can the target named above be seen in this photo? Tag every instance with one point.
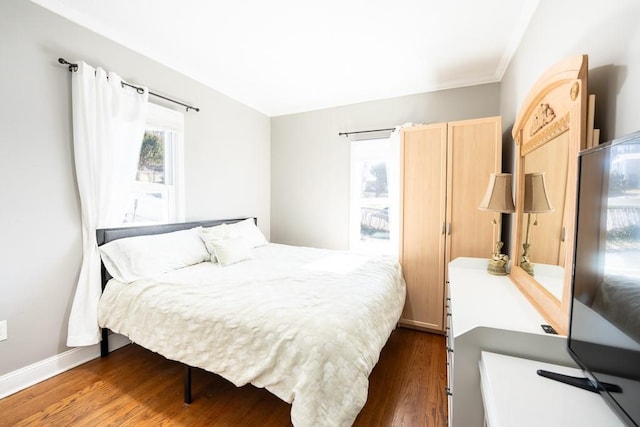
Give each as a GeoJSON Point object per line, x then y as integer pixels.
{"type": "Point", "coordinates": [535, 194]}
{"type": "Point", "coordinates": [498, 196]}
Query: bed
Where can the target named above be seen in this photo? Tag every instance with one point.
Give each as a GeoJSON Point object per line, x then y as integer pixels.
{"type": "Point", "coordinates": [306, 324]}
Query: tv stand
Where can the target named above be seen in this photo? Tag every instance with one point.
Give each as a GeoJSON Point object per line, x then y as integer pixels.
{"type": "Point", "coordinates": [580, 382]}
{"type": "Point", "coordinates": [514, 395]}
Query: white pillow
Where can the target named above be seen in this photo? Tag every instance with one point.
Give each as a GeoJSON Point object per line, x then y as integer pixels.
{"type": "Point", "coordinates": [133, 258]}
{"type": "Point", "coordinates": [247, 229]}
{"type": "Point", "coordinates": [232, 250]}
{"type": "Point", "coordinates": [212, 234]}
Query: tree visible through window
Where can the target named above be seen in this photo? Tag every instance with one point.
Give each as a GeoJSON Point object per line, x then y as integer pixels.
{"type": "Point", "coordinates": [370, 202]}
{"type": "Point", "coordinates": [156, 195]}
{"type": "Point", "coordinates": [151, 163]}
{"type": "Point", "coordinates": [374, 201]}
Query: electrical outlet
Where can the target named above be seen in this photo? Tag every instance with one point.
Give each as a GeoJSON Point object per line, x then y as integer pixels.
{"type": "Point", "coordinates": [3, 330]}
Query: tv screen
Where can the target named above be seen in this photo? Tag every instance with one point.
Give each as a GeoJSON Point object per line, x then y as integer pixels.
{"type": "Point", "coordinates": [604, 332]}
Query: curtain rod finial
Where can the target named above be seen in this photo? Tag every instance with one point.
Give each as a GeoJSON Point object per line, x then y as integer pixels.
{"type": "Point", "coordinates": [72, 67]}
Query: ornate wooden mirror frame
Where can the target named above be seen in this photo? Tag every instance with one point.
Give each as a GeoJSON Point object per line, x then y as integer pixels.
{"type": "Point", "coordinates": [554, 110]}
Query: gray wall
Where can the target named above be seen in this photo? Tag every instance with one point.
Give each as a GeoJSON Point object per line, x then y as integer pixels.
{"type": "Point", "coordinates": [227, 155]}
{"type": "Point", "coordinates": [310, 162]}
{"type": "Point", "coordinates": [608, 32]}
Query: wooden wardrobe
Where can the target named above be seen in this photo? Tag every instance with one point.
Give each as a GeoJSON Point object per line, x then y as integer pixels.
{"type": "Point", "coordinates": [445, 170]}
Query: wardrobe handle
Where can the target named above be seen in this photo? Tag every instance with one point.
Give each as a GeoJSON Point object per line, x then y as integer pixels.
{"type": "Point", "coordinates": [563, 237]}
{"type": "Point", "coordinates": [448, 229]}
{"type": "Point", "coordinates": [444, 228]}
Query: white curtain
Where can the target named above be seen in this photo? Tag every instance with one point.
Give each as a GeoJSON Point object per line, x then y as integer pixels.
{"type": "Point", "coordinates": [108, 127]}
{"type": "Point", "coordinates": [393, 181]}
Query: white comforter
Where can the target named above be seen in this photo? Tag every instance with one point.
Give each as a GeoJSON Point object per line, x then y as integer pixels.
{"type": "Point", "coordinates": [306, 324]}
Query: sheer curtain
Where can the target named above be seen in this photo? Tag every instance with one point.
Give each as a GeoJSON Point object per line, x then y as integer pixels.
{"type": "Point", "coordinates": [108, 126]}
{"type": "Point", "coordinates": [394, 187]}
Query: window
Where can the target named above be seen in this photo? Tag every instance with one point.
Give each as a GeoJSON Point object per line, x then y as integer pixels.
{"type": "Point", "coordinates": [372, 204]}
{"type": "Point", "coordinates": [156, 196]}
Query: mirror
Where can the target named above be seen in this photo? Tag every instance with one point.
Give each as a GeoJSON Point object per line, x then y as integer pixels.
{"type": "Point", "coordinates": [547, 230]}
{"type": "Point", "coordinates": [549, 131]}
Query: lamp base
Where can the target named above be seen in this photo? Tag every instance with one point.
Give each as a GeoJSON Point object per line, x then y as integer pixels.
{"type": "Point", "coordinates": [527, 266]}
{"type": "Point", "coordinates": [497, 268]}
{"type": "Point", "coordinates": [498, 264]}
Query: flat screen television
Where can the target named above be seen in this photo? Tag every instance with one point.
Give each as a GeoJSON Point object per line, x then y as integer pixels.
{"type": "Point", "coordinates": [604, 331]}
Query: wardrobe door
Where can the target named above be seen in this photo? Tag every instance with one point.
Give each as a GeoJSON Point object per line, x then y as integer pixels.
{"type": "Point", "coordinates": [474, 152]}
{"type": "Point", "coordinates": [423, 191]}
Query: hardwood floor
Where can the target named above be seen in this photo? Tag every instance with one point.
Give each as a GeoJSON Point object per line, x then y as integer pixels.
{"type": "Point", "coordinates": [133, 386]}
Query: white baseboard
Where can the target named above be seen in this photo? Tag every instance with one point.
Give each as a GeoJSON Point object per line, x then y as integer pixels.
{"type": "Point", "coordinates": [25, 377]}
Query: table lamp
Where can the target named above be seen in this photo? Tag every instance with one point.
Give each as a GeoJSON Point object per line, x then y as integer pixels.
{"type": "Point", "coordinates": [535, 201]}
{"type": "Point", "coordinates": [498, 198]}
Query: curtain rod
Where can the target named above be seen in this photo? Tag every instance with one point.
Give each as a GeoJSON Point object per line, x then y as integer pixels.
{"type": "Point", "coordinates": [74, 67]}
{"type": "Point", "coordinates": [364, 131]}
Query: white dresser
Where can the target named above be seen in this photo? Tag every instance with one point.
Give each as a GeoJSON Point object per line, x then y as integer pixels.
{"type": "Point", "coordinates": [488, 313]}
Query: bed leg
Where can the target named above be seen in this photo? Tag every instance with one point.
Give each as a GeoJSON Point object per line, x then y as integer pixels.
{"type": "Point", "coordinates": [187, 384]}
{"type": "Point", "coordinates": [104, 344]}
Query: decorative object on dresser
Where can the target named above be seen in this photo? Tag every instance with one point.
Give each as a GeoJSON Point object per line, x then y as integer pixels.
{"type": "Point", "coordinates": [498, 198]}
{"type": "Point", "coordinates": [549, 130]}
{"type": "Point", "coordinates": [535, 201]}
{"type": "Point", "coordinates": [443, 175]}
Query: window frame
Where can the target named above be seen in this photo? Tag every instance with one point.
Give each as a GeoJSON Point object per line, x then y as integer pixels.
{"type": "Point", "coordinates": [164, 119]}
{"type": "Point", "coordinates": [361, 151]}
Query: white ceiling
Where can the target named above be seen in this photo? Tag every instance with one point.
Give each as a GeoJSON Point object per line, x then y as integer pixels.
{"type": "Point", "coordinates": [288, 56]}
